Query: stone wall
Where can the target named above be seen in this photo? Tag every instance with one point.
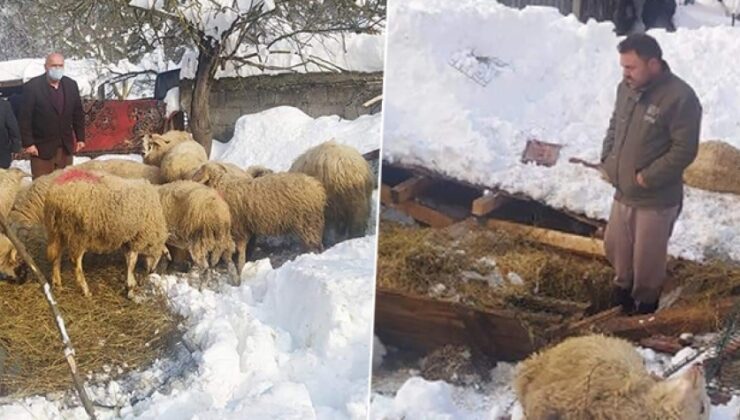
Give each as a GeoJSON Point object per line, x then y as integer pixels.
{"type": "Point", "coordinates": [316, 94]}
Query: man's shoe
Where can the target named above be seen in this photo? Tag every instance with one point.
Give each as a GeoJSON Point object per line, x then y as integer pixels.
{"type": "Point", "coordinates": [645, 308]}
{"type": "Point", "coordinates": [623, 297]}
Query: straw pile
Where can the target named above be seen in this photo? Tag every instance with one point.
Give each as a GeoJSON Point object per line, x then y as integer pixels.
{"type": "Point", "coordinates": [106, 330]}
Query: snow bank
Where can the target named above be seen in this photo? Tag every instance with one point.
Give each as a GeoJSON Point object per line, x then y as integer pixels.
{"type": "Point", "coordinates": [552, 78]}
{"type": "Point", "coordinates": [292, 342]}
{"type": "Point", "coordinates": [289, 132]}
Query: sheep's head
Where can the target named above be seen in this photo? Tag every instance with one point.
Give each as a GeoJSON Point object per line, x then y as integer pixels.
{"type": "Point", "coordinates": [9, 260]}
{"type": "Point", "coordinates": [16, 173]}
{"type": "Point", "coordinates": [155, 146]}
{"type": "Point", "coordinates": [209, 173]}
{"type": "Point", "coordinates": [685, 396]}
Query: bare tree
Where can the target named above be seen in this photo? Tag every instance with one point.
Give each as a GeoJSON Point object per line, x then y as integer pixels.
{"type": "Point", "coordinates": [244, 33]}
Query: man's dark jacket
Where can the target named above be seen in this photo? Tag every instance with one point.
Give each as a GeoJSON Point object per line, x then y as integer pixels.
{"type": "Point", "coordinates": [10, 137]}
{"type": "Point", "coordinates": [42, 125]}
{"type": "Point", "coordinates": [653, 131]}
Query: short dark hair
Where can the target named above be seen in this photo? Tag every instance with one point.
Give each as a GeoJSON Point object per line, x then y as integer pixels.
{"type": "Point", "coordinates": [645, 46]}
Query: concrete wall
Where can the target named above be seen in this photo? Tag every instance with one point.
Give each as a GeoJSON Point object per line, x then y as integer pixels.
{"type": "Point", "coordinates": [316, 94]}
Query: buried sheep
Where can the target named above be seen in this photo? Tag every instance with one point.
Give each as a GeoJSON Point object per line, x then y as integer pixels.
{"type": "Point", "coordinates": [348, 180]}
{"type": "Point", "coordinates": [199, 221]}
{"type": "Point", "coordinates": [102, 213]}
{"type": "Point", "coordinates": [599, 377]}
{"type": "Point", "coordinates": [716, 168]}
{"type": "Point", "coordinates": [269, 205]}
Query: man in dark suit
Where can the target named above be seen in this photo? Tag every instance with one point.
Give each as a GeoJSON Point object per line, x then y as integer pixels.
{"type": "Point", "coordinates": [52, 121]}
{"type": "Point", "coordinates": [10, 137]}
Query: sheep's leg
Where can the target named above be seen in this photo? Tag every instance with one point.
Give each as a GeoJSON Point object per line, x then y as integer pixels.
{"type": "Point", "coordinates": [79, 274]}
{"type": "Point", "coordinates": [241, 254]}
{"type": "Point", "coordinates": [131, 257]}
{"type": "Point", "coordinates": [54, 254]}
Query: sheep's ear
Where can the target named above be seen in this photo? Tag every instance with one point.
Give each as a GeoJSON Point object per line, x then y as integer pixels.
{"type": "Point", "coordinates": [13, 255]}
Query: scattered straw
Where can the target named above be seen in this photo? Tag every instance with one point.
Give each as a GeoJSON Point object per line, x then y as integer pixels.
{"type": "Point", "coordinates": [106, 330]}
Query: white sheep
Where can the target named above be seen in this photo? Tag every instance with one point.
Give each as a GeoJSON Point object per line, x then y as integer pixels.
{"type": "Point", "coordinates": [102, 213]}
{"type": "Point", "coordinates": [349, 184]}
{"type": "Point", "coordinates": [273, 204]}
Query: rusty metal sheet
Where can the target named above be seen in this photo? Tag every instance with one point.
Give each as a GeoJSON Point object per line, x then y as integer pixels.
{"type": "Point", "coordinates": [541, 153]}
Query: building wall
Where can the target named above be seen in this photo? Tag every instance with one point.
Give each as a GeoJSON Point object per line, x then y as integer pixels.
{"type": "Point", "coordinates": [316, 94]}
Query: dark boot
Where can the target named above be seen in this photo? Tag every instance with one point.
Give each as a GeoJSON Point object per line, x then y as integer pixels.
{"type": "Point", "coordinates": [623, 297]}
{"type": "Point", "coordinates": [644, 308]}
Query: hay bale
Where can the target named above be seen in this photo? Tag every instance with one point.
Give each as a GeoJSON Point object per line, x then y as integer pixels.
{"type": "Point", "coordinates": [716, 168]}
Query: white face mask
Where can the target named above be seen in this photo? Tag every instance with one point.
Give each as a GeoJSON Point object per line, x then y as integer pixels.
{"type": "Point", "coordinates": [56, 73]}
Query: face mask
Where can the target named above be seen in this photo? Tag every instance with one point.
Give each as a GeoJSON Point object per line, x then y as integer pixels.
{"type": "Point", "coordinates": [56, 73]}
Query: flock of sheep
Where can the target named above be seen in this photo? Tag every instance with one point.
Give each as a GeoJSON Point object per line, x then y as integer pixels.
{"type": "Point", "coordinates": [179, 200]}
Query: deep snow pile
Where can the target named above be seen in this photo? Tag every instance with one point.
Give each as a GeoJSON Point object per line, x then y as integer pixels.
{"type": "Point", "coordinates": [416, 398]}
{"type": "Point", "coordinates": [549, 77]}
{"type": "Point", "coordinates": [275, 137]}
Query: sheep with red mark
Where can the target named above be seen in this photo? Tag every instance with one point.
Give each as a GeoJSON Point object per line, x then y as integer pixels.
{"type": "Point", "coordinates": [599, 377]}
{"type": "Point", "coordinates": [273, 204]}
{"type": "Point", "coordinates": [102, 213]}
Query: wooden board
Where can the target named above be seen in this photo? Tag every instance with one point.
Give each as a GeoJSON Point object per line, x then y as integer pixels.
{"type": "Point", "coordinates": [488, 203]}
{"type": "Point", "coordinates": [699, 318]}
{"type": "Point", "coordinates": [409, 188]}
{"type": "Point", "coordinates": [385, 194]}
{"type": "Point", "coordinates": [423, 324]}
{"type": "Point", "coordinates": [425, 215]}
{"type": "Point", "coordinates": [574, 243]}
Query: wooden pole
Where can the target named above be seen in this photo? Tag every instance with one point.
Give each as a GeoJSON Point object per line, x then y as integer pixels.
{"type": "Point", "coordinates": [69, 351]}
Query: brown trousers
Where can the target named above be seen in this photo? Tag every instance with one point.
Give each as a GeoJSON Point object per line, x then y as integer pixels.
{"type": "Point", "coordinates": [636, 244]}
{"type": "Point", "coordinates": [41, 167]}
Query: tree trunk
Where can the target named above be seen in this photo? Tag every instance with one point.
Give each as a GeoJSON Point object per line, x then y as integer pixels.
{"type": "Point", "coordinates": [200, 110]}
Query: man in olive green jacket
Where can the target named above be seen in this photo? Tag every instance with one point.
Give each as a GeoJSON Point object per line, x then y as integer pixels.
{"type": "Point", "coordinates": [653, 136]}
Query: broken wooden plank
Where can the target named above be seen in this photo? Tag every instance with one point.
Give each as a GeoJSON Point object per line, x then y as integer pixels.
{"type": "Point", "coordinates": [698, 318]}
{"type": "Point", "coordinates": [409, 188]}
{"type": "Point", "coordinates": [662, 343]}
{"type": "Point", "coordinates": [425, 214]}
{"type": "Point", "coordinates": [583, 324]}
{"type": "Point", "coordinates": [385, 194]}
{"type": "Point", "coordinates": [562, 240]}
{"type": "Point", "coordinates": [423, 324]}
{"type": "Point", "coordinates": [488, 203]}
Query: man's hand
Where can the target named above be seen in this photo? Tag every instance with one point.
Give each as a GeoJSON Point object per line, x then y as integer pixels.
{"type": "Point", "coordinates": [79, 146]}
{"type": "Point", "coordinates": [32, 150]}
{"type": "Point", "coordinates": [640, 180]}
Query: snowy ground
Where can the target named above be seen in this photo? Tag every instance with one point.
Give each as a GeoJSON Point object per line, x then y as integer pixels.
{"type": "Point", "coordinates": [402, 394]}
{"type": "Point", "coordinates": [290, 342]}
{"type": "Point", "coordinates": [548, 77]}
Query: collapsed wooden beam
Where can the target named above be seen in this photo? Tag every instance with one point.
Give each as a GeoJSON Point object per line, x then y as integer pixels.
{"type": "Point", "coordinates": [562, 240]}
{"type": "Point", "coordinates": [410, 188]}
{"type": "Point", "coordinates": [488, 203]}
{"type": "Point", "coordinates": [385, 194]}
{"type": "Point", "coordinates": [425, 214]}
{"type": "Point", "coordinates": [423, 324]}
{"type": "Point", "coordinates": [697, 318]}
